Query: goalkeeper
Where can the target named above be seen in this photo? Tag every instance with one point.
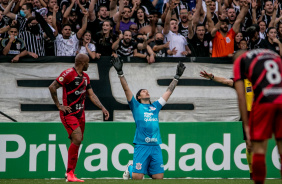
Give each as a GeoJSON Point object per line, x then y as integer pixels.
{"type": "Point", "coordinates": [147, 158]}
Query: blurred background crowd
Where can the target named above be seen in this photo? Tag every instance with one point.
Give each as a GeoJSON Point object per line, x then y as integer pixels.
{"type": "Point", "coordinates": [138, 28]}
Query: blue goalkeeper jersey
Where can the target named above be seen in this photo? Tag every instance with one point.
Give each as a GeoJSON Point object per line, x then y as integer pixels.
{"type": "Point", "coordinates": [146, 118]}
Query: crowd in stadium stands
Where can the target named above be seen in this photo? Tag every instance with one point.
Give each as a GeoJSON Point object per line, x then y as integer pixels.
{"type": "Point", "coordinates": [140, 28]}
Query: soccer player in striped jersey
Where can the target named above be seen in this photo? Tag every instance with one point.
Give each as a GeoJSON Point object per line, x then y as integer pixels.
{"type": "Point", "coordinates": [263, 68]}
{"type": "Point", "coordinates": [76, 84]}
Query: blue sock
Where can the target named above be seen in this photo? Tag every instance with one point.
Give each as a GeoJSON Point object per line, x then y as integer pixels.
{"type": "Point", "coordinates": [130, 169]}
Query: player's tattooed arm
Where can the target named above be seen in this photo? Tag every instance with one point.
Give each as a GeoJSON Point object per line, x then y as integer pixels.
{"type": "Point", "coordinates": [53, 90]}
{"type": "Point", "coordinates": [169, 90]}
{"type": "Point", "coordinates": [179, 71]}
{"type": "Point", "coordinates": [172, 86]}
{"type": "Point", "coordinates": [94, 99]}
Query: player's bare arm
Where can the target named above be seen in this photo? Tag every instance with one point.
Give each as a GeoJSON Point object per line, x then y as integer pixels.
{"type": "Point", "coordinates": [117, 63]}
{"type": "Point", "coordinates": [222, 80]}
{"type": "Point", "coordinates": [179, 71]}
{"type": "Point", "coordinates": [94, 99]}
{"type": "Point", "coordinates": [172, 86]}
{"type": "Point", "coordinates": [53, 90]}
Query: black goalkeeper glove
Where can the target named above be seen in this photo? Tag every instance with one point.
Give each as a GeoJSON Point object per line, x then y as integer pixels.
{"type": "Point", "coordinates": [117, 63]}
{"type": "Point", "coordinates": [179, 70]}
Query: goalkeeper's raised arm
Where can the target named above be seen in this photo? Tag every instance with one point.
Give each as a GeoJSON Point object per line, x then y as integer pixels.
{"type": "Point", "coordinates": [179, 71]}
{"type": "Point", "coordinates": [117, 63]}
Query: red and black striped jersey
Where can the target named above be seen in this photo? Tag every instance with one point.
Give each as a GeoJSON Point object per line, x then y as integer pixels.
{"type": "Point", "coordinates": [263, 68]}
{"type": "Point", "coordinates": [74, 90]}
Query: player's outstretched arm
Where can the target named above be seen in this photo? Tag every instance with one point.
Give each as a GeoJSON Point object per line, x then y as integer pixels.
{"type": "Point", "coordinates": [94, 99]}
{"type": "Point", "coordinates": [117, 63]}
{"type": "Point", "coordinates": [53, 90]}
{"type": "Point", "coordinates": [228, 82]}
{"type": "Point", "coordinates": [179, 71]}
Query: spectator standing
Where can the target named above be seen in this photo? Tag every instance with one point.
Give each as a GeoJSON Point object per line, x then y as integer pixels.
{"type": "Point", "coordinates": [141, 18]}
{"type": "Point", "coordinates": [158, 4]}
{"type": "Point", "coordinates": [280, 32]}
{"type": "Point", "coordinates": [3, 6]}
{"type": "Point", "coordinates": [262, 30]}
{"type": "Point", "coordinates": [183, 24]}
{"type": "Point", "coordinates": [212, 9]}
{"type": "Point", "coordinates": [254, 38]}
{"type": "Point", "coordinates": [38, 4]}
{"type": "Point", "coordinates": [34, 38]}
{"type": "Point", "coordinates": [66, 44]}
{"type": "Point", "coordinates": [124, 45]}
{"type": "Point", "coordinates": [223, 41]}
{"type": "Point", "coordinates": [231, 14]}
{"type": "Point", "coordinates": [25, 13]}
{"type": "Point", "coordinates": [125, 22]}
{"type": "Point", "coordinates": [4, 31]}
{"type": "Point", "coordinates": [243, 45]}
{"type": "Point", "coordinates": [51, 4]}
{"type": "Point", "coordinates": [86, 45]}
{"type": "Point", "coordinates": [238, 38]}
{"type": "Point", "coordinates": [178, 5]}
{"type": "Point", "coordinates": [145, 4]}
{"type": "Point", "coordinates": [52, 22]}
{"type": "Point", "coordinates": [272, 42]}
{"type": "Point", "coordinates": [160, 48]}
{"type": "Point", "coordinates": [266, 15]}
{"type": "Point", "coordinates": [152, 28]}
{"type": "Point", "coordinates": [250, 16]}
{"type": "Point", "coordinates": [104, 3]}
{"type": "Point", "coordinates": [95, 24]}
{"type": "Point", "coordinates": [2, 24]}
{"type": "Point", "coordinates": [13, 45]}
{"type": "Point", "coordinates": [104, 40]}
{"type": "Point", "coordinates": [71, 17]}
{"type": "Point", "coordinates": [199, 40]}
{"type": "Point", "coordinates": [134, 30]}
{"type": "Point", "coordinates": [145, 49]}
{"type": "Point", "coordinates": [177, 41]}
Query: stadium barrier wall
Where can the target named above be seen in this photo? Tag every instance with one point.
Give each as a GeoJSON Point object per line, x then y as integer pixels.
{"type": "Point", "coordinates": [25, 97]}
{"type": "Point", "coordinates": [209, 146]}
{"type": "Point", "coordinates": [190, 149]}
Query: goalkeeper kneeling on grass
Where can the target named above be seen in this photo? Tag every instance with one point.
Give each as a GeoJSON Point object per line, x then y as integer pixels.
{"type": "Point", "coordinates": [147, 158]}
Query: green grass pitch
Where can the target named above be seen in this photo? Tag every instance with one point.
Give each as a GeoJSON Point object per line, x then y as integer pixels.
{"type": "Point", "coordinates": [145, 181]}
